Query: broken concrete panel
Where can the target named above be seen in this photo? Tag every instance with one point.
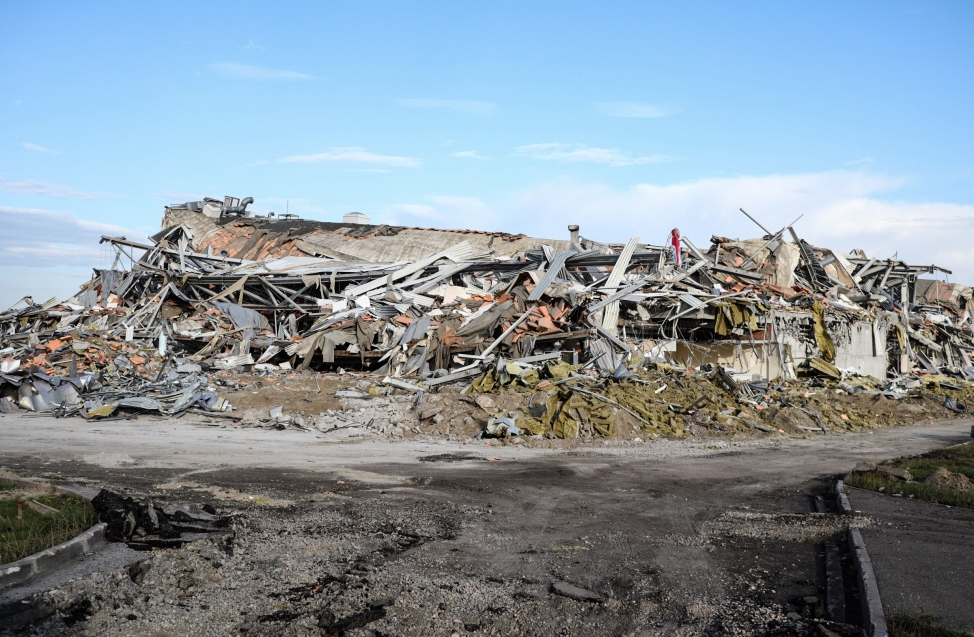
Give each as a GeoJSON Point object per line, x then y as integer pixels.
{"type": "Point", "coordinates": [763, 359]}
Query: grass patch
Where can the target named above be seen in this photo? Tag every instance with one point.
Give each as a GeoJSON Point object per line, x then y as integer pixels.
{"type": "Point", "coordinates": [36, 532]}
{"type": "Point", "coordinates": [959, 459]}
{"type": "Point", "coordinates": [875, 481]}
{"type": "Point", "coordinates": [6, 485]}
{"type": "Point", "coordinates": [921, 624]}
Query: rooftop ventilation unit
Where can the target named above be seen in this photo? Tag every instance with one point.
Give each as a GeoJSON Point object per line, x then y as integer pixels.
{"type": "Point", "coordinates": [356, 218]}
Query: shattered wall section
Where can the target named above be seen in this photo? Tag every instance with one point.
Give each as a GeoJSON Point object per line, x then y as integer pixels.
{"type": "Point", "coordinates": [858, 344]}
{"type": "Point", "coordinates": [761, 358]}
{"type": "Point", "coordinates": [954, 296]}
{"type": "Point", "coordinates": [862, 345]}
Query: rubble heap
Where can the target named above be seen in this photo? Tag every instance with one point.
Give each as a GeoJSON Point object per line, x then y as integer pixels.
{"type": "Point", "coordinates": [219, 289]}
{"type": "Point", "coordinates": [145, 526]}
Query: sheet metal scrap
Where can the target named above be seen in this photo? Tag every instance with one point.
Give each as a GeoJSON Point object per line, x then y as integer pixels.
{"type": "Point", "coordinates": [144, 525]}
{"type": "Point", "coordinates": [219, 288]}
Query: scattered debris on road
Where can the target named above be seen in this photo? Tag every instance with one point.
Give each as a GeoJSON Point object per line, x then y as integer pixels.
{"type": "Point", "coordinates": [144, 526]}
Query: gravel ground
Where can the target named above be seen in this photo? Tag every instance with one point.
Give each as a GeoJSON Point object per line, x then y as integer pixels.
{"type": "Point", "coordinates": [305, 569]}
{"type": "Point", "coordinates": [405, 560]}
{"type": "Point", "coordinates": [671, 538]}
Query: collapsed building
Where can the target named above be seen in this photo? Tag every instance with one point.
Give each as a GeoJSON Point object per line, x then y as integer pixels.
{"type": "Point", "coordinates": [221, 288]}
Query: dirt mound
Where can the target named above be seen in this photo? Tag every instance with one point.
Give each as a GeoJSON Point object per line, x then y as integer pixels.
{"type": "Point", "coordinates": [944, 479]}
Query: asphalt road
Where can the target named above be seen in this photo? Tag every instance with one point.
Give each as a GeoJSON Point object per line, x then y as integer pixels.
{"type": "Point", "coordinates": [923, 555]}
{"type": "Point", "coordinates": [187, 445]}
{"type": "Point", "coordinates": [694, 536]}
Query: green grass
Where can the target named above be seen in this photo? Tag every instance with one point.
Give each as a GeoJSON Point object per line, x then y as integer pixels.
{"type": "Point", "coordinates": [959, 459]}
{"type": "Point", "coordinates": [873, 481]}
{"type": "Point", "coordinates": [36, 532]}
{"type": "Point", "coordinates": [920, 624]}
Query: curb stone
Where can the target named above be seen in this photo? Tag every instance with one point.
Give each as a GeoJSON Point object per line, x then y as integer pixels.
{"type": "Point", "coordinates": [873, 616]}
{"type": "Point", "coordinates": [841, 499]}
{"type": "Point", "coordinates": [49, 559]}
{"type": "Point", "coordinates": [53, 488]}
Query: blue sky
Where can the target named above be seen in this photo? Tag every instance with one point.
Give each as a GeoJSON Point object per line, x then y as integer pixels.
{"type": "Point", "coordinates": [627, 118]}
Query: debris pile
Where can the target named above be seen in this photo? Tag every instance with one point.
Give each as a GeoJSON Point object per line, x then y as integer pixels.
{"type": "Point", "coordinates": [598, 327]}
{"type": "Point", "coordinates": [669, 400]}
{"type": "Point", "coordinates": [144, 526]}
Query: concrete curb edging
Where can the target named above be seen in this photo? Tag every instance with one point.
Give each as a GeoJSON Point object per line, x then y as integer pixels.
{"type": "Point", "coordinates": [53, 488]}
{"type": "Point", "coordinates": [841, 499]}
{"type": "Point", "coordinates": [873, 616]}
{"type": "Point", "coordinates": [48, 559]}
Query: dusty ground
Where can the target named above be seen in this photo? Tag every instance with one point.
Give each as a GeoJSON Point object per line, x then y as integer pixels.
{"type": "Point", "coordinates": [358, 405]}
{"type": "Point", "coordinates": [300, 394]}
{"type": "Point", "coordinates": [676, 537]}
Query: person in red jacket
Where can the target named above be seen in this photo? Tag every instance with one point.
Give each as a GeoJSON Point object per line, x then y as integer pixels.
{"type": "Point", "coordinates": [675, 245]}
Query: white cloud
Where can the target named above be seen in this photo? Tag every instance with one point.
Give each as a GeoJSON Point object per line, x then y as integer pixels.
{"type": "Point", "coordinates": [472, 107]}
{"type": "Point", "coordinates": [25, 224]}
{"type": "Point", "coordinates": [45, 253]}
{"type": "Point", "coordinates": [352, 155]}
{"type": "Point", "coordinates": [444, 212]}
{"type": "Point", "coordinates": [575, 153]}
{"type": "Point", "coordinates": [463, 205]}
{"type": "Point", "coordinates": [842, 210]}
{"type": "Point", "coordinates": [39, 148]}
{"type": "Point", "coordinates": [249, 72]}
{"type": "Point", "coordinates": [703, 206]}
{"type": "Point", "coordinates": [631, 109]}
{"type": "Point", "coordinates": [469, 154]}
{"type": "Point", "coordinates": [40, 188]}
{"type": "Point", "coordinates": [255, 45]}
{"type": "Point", "coordinates": [39, 238]}
{"type": "Point", "coordinates": [405, 214]}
